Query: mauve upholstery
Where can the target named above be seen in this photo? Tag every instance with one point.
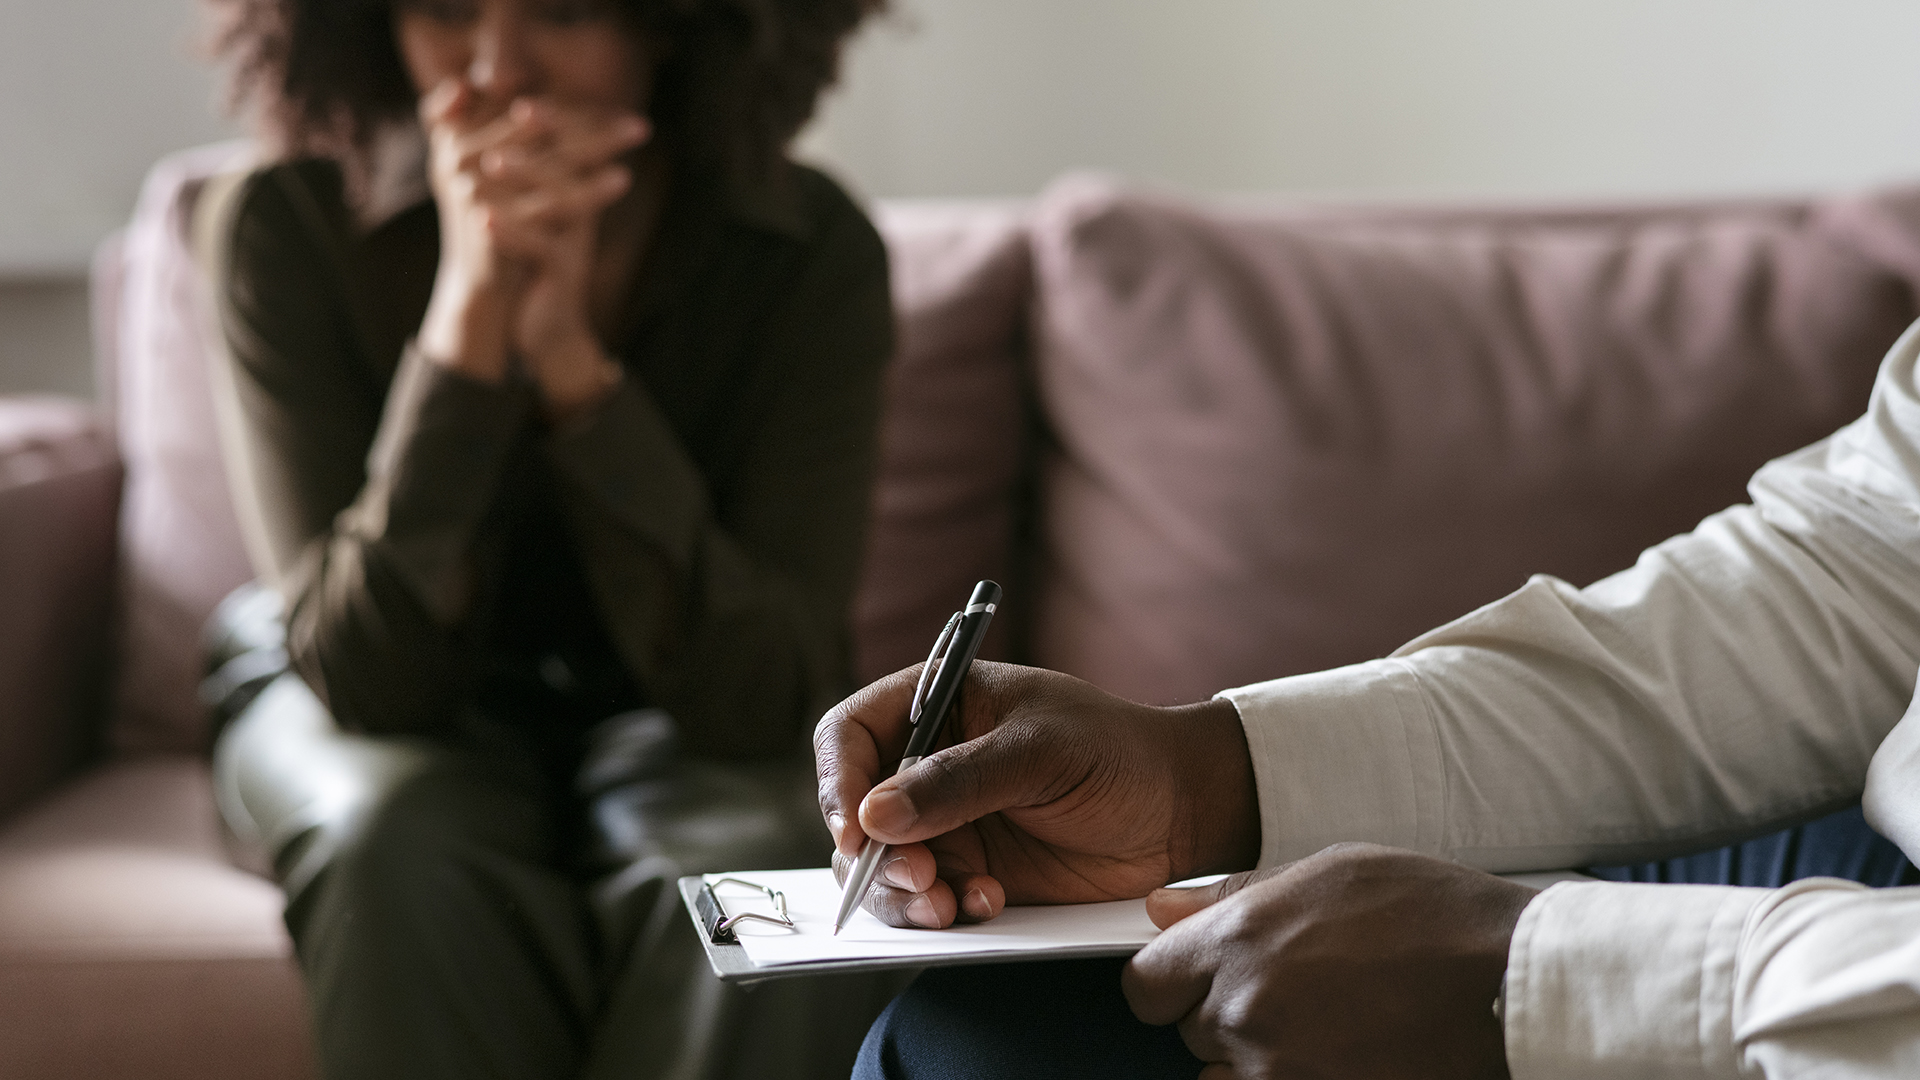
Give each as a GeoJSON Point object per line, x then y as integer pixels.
{"type": "Point", "coordinates": [180, 547]}
{"type": "Point", "coordinates": [131, 947]}
{"type": "Point", "coordinates": [1202, 444]}
{"type": "Point", "coordinates": [59, 499]}
{"type": "Point", "coordinates": [1286, 440]}
{"type": "Point", "coordinates": [953, 439]}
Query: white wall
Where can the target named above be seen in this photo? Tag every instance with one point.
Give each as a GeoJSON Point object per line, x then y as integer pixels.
{"type": "Point", "coordinates": [91, 91]}
{"type": "Point", "coordinates": [45, 337]}
{"type": "Point", "coordinates": [1427, 97]}
{"type": "Point", "coordinates": [964, 97]}
{"type": "Point", "coordinates": [995, 97]}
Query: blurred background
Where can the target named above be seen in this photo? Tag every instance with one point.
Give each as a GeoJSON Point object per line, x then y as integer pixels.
{"type": "Point", "coordinates": [1340, 99]}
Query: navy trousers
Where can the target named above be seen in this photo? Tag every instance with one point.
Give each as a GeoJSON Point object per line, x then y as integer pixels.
{"type": "Point", "coordinates": [1840, 845]}
{"type": "Point", "coordinates": [1069, 1020]}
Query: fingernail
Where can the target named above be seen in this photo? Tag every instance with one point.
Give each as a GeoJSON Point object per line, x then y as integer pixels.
{"type": "Point", "coordinates": [836, 824]}
{"type": "Point", "coordinates": [975, 904]}
{"type": "Point", "coordinates": [921, 913]}
{"type": "Point", "coordinates": [891, 810]}
{"type": "Point", "coordinates": [896, 875]}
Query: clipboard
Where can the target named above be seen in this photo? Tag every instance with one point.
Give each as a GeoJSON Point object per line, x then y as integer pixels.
{"type": "Point", "coordinates": [731, 963]}
{"type": "Point", "coordinates": [1029, 934]}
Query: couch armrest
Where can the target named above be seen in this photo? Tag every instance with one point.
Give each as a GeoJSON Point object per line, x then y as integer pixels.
{"type": "Point", "coordinates": [59, 503]}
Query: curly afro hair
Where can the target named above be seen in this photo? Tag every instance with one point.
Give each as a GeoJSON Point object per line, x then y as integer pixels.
{"type": "Point", "coordinates": [322, 77]}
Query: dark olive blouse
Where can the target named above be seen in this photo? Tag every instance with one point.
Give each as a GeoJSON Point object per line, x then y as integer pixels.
{"type": "Point", "coordinates": [691, 545]}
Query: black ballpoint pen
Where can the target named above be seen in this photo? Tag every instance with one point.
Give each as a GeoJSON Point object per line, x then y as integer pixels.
{"type": "Point", "coordinates": [933, 698]}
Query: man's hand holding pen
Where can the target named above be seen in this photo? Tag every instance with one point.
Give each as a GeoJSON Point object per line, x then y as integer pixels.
{"type": "Point", "coordinates": [1029, 802]}
{"type": "Point", "coordinates": [1359, 961]}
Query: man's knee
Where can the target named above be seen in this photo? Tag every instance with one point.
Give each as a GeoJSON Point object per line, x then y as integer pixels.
{"type": "Point", "coordinates": [1048, 1019]}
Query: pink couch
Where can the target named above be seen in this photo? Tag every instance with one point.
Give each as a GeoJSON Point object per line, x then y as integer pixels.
{"type": "Point", "coordinates": [1201, 444]}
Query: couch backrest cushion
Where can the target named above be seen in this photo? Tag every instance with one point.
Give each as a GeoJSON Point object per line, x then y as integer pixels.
{"type": "Point", "coordinates": [180, 548]}
{"type": "Point", "coordinates": [59, 493]}
{"type": "Point", "coordinates": [953, 453]}
{"type": "Point", "coordinates": [1285, 440]}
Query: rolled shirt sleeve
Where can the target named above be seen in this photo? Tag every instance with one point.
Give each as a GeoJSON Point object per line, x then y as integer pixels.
{"type": "Point", "coordinates": [625, 459]}
{"type": "Point", "coordinates": [432, 474]}
{"type": "Point", "coordinates": [728, 601]}
{"type": "Point", "coordinates": [360, 506]}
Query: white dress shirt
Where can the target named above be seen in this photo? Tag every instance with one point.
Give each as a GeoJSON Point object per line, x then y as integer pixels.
{"type": "Point", "coordinates": [1742, 677]}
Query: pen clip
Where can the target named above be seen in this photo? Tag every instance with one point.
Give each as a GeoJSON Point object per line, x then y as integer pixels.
{"type": "Point", "coordinates": [930, 670]}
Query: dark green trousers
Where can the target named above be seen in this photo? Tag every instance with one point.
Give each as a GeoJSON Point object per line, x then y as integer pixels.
{"type": "Point", "coordinates": [460, 910]}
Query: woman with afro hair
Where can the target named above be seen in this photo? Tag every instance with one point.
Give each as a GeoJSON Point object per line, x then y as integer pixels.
{"type": "Point", "coordinates": [549, 403]}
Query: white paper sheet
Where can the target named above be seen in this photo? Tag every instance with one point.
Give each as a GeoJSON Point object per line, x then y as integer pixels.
{"type": "Point", "coordinates": [813, 897]}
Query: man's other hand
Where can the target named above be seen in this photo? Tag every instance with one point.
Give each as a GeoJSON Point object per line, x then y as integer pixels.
{"type": "Point", "coordinates": [1048, 791]}
{"type": "Point", "coordinates": [1361, 961]}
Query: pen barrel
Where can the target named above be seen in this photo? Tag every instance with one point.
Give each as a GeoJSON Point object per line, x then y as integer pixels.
{"type": "Point", "coordinates": [953, 668]}
{"type": "Point", "coordinates": [962, 647]}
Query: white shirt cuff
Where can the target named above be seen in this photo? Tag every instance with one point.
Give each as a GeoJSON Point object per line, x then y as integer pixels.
{"type": "Point", "coordinates": [1346, 754]}
{"type": "Point", "coordinates": [1607, 980]}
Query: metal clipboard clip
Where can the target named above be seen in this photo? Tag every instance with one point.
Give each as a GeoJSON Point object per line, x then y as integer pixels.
{"type": "Point", "coordinates": [719, 925]}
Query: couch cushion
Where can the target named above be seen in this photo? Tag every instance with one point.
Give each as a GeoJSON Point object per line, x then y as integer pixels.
{"type": "Point", "coordinates": [180, 548]}
{"type": "Point", "coordinates": [953, 451]}
{"type": "Point", "coordinates": [59, 500]}
{"type": "Point", "coordinates": [129, 945]}
{"type": "Point", "coordinates": [1290, 439]}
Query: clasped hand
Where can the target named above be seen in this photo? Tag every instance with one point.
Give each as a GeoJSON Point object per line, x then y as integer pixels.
{"type": "Point", "coordinates": [1360, 961]}
{"type": "Point", "coordinates": [521, 191]}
